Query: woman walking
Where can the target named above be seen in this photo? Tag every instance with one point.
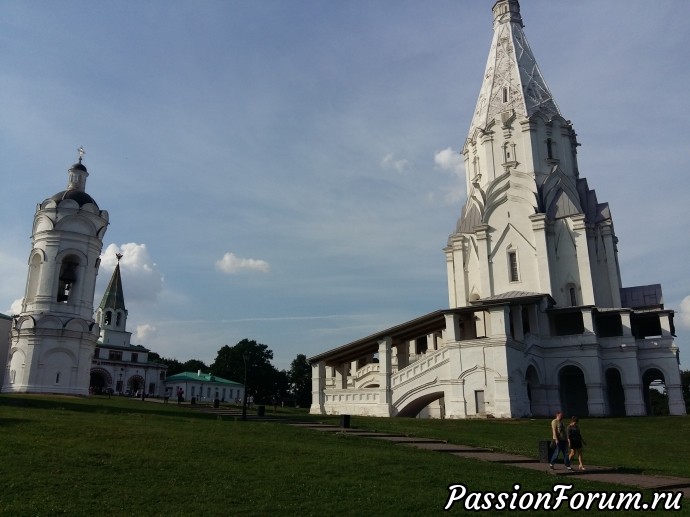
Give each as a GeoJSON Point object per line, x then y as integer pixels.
{"type": "Point", "coordinates": [575, 441]}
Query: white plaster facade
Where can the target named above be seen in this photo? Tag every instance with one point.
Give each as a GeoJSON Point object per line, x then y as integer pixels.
{"type": "Point", "coordinates": [52, 340]}
{"type": "Point", "coordinates": [204, 387]}
{"type": "Point", "coordinates": [538, 318]}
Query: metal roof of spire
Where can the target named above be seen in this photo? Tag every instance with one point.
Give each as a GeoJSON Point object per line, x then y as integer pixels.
{"type": "Point", "coordinates": [512, 79]}
{"type": "Point", "coordinates": [114, 297]}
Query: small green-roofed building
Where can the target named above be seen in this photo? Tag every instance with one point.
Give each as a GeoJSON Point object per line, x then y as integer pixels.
{"type": "Point", "coordinates": [203, 387]}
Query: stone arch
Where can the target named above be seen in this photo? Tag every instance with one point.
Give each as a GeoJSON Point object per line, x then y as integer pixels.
{"type": "Point", "coordinates": [16, 362]}
{"type": "Point", "coordinates": [416, 405]}
{"type": "Point", "coordinates": [100, 380]}
{"type": "Point", "coordinates": [135, 383]}
{"type": "Point", "coordinates": [615, 393]}
{"type": "Point", "coordinates": [655, 400]}
{"type": "Point", "coordinates": [572, 388]}
{"type": "Point", "coordinates": [77, 324]}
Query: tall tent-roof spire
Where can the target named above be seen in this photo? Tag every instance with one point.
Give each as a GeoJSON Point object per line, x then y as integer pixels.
{"type": "Point", "coordinates": [114, 297]}
{"type": "Point", "coordinates": [512, 79]}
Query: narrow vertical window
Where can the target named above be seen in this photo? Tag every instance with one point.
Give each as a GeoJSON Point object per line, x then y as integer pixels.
{"type": "Point", "coordinates": [57, 378]}
{"type": "Point", "coordinates": [108, 318]}
{"type": "Point", "coordinates": [505, 94]}
{"type": "Point", "coordinates": [513, 266]}
{"type": "Point", "coordinates": [549, 148]}
{"type": "Point", "coordinates": [573, 296]}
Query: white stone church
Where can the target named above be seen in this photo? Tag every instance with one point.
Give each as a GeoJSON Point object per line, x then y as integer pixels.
{"type": "Point", "coordinates": [55, 344]}
{"type": "Point", "coordinates": [538, 318]}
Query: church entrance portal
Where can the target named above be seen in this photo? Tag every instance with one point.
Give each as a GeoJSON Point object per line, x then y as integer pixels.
{"type": "Point", "coordinates": [573, 391]}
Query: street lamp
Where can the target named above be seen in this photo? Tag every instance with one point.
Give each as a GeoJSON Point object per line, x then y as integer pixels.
{"type": "Point", "coordinates": [245, 356]}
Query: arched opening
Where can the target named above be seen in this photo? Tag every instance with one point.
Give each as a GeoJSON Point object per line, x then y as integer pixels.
{"type": "Point", "coordinates": [67, 278]}
{"type": "Point", "coordinates": [134, 384]}
{"type": "Point", "coordinates": [654, 391]}
{"type": "Point", "coordinates": [97, 384]}
{"type": "Point", "coordinates": [573, 391]}
{"type": "Point", "coordinates": [536, 394]}
{"type": "Point", "coordinates": [615, 392]}
{"type": "Point", "coordinates": [427, 406]}
{"type": "Point", "coordinates": [100, 381]}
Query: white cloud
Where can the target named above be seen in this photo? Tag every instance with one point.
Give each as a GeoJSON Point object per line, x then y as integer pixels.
{"type": "Point", "coordinates": [145, 332]}
{"type": "Point", "coordinates": [231, 264]}
{"type": "Point", "coordinates": [389, 162]}
{"type": "Point", "coordinates": [141, 280]}
{"type": "Point", "coordinates": [449, 160]}
{"type": "Point", "coordinates": [684, 313]}
{"type": "Point", "coordinates": [16, 307]}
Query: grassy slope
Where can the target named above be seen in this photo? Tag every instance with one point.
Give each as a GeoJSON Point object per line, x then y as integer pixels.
{"type": "Point", "coordinates": [63, 456]}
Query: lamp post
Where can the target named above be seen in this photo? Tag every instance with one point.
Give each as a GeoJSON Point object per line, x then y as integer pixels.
{"type": "Point", "coordinates": [244, 403]}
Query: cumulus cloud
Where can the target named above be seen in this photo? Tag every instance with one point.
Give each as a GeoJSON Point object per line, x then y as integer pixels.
{"type": "Point", "coordinates": [231, 264]}
{"type": "Point", "coordinates": [683, 315]}
{"type": "Point", "coordinates": [141, 280]}
{"type": "Point", "coordinates": [449, 160]}
{"type": "Point", "coordinates": [145, 332]}
{"type": "Point", "coordinates": [452, 161]}
{"type": "Point", "coordinates": [390, 162]}
{"type": "Point", "coordinates": [16, 307]}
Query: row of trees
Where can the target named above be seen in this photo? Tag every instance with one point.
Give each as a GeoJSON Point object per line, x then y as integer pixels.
{"type": "Point", "coordinates": [264, 381]}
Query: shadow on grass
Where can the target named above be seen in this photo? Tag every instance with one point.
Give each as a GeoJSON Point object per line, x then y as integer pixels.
{"type": "Point", "coordinates": [98, 405]}
{"type": "Point", "coordinates": [7, 422]}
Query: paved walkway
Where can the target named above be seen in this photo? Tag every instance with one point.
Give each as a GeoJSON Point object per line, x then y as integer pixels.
{"type": "Point", "coordinates": [594, 473]}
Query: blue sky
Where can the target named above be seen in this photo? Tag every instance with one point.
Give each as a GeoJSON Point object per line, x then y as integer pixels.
{"type": "Point", "coordinates": [286, 171]}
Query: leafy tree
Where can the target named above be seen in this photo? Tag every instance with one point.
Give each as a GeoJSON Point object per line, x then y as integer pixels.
{"type": "Point", "coordinates": [194, 365]}
{"type": "Point", "coordinates": [262, 376]}
{"type": "Point", "coordinates": [300, 380]}
{"type": "Point", "coordinates": [174, 366]}
{"type": "Point", "coordinates": [658, 402]}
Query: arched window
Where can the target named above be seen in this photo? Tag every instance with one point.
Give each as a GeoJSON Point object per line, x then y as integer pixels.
{"type": "Point", "coordinates": [118, 319]}
{"type": "Point", "coordinates": [108, 317]}
{"type": "Point", "coordinates": [513, 268]}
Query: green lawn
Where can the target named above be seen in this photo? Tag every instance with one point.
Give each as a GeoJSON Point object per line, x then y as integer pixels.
{"type": "Point", "coordinates": [655, 445]}
{"type": "Point", "coordinates": [98, 456]}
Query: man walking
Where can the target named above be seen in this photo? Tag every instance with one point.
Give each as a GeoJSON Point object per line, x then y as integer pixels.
{"type": "Point", "coordinates": [560, 441]}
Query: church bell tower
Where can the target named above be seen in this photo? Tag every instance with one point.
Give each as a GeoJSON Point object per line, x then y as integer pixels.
{"type": "Point", "coordinates": [53, 339]}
